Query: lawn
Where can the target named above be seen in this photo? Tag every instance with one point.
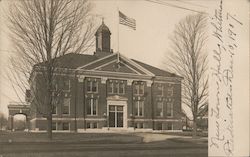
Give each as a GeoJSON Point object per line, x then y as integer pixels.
{"type": "Point", "coordinates": [186, 133]}
{"type": "Point", "coordinates": [26, 144]}
{"type": "Point", "coordinates": [69, 137]}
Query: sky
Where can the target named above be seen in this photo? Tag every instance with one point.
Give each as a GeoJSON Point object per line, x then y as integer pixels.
{"type": "Point", "coordinates": [149, 43]}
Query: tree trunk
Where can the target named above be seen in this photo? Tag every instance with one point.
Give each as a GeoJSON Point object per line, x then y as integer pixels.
{"type": "Point", "coordinates": [49, 127]}
{"type": "Point", "coordinates": [194, 132]}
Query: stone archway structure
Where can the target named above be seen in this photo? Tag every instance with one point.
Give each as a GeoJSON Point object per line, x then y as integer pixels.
{"type": "Point", "coordinates": [18, 108]}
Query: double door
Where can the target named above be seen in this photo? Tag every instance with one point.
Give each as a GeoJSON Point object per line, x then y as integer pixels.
{"type": "Point", "coordinates": [115, 116]}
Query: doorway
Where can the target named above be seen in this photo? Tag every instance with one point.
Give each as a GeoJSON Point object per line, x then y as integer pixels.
{"type": "Point", "coordinates": [115, 116]}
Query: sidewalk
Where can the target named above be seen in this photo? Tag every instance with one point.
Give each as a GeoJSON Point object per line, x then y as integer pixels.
{"type": "Point", "coordinates": [154, 137]}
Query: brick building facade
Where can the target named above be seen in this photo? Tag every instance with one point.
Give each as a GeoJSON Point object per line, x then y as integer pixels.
{"type": "Point", "coordinates": [107, 90]}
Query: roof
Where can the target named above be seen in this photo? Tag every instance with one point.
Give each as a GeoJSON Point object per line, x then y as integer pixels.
{"type": "Point", "coordinates": [156, 71]}
{"type": "Point", "coordinates": [103, 28]}
{"type": "Point", "coordinates": [73, 61]}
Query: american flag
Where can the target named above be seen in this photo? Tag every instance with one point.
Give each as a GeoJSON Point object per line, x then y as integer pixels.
{"type": "Point", "coordinates": [127, 21]}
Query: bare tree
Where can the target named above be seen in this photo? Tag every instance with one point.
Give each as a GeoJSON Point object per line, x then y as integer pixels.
{"type": "Point", "coordinates": [42, 31]}
{"type": "Point", "coordinates": [188, 59]}
{"type": "Point", "coordinates": [3, 121]}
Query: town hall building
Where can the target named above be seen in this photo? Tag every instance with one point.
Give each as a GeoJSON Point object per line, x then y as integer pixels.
{"type": "Point", "coordinates": [109, 91]}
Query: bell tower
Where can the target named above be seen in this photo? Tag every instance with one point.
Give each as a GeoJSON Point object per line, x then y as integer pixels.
{"type": "Point", "coordinates": [103, 40]}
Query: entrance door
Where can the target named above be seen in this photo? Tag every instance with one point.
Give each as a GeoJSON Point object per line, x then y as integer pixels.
{"type": "Point", "coordinates": [115, 116]}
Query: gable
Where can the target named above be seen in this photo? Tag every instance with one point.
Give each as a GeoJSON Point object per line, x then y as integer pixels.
{"type": "Point", "coordinates": [116, 63]}
{"type": "Point", "coordinates": [117, 67]}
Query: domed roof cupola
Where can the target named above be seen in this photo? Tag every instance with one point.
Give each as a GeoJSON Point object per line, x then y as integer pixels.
{"type": "Point", "coordinates": [103, 39]}
{"type": "Point", "coordinates": [103, 29]}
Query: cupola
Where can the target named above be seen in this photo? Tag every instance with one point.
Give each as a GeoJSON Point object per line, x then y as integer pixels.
{"type": "Point", "coordinates": [103, 40]}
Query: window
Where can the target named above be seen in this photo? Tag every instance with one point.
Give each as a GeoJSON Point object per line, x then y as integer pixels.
{"type": "Point", "coordinates": [169, 109]}
{"type": "Point", "coordinates": [88, 126]}
{"type": "Point", "coordinates": [110, 87]}
{"type": "Point", "coordinates": [139, 88]}
{"type": "Point", "coordinates": [170, 90]}
{"type": "Point", "coordinates": [92, 86]}
{"type": "Point", "coordinates": [92, 125]}
{"type": "Point", "coordinates": [89, 86]}
{"type": "Point", "coordinates": [159, 109]}
{"type": "Point", "coordinates": [139, 125]}
{"type": "Point", "coordinates": [54, 110]}
{"type": "Point", "coordinates": [169, 126]}
{"type": "Point", "coordinates": [158, 126]}
{"type": "Point", "coordinates": [159, 90]}
{"type": "Point", "coordinates": [139, 108]}
{"type": "Point", "coordinates": [54, 126]}
{"type": "Point", "coordinates": [65, 126]}
{"type": "Point", "coordinates": [66, 106]}
{"type": "Point", "coordinates": [66, 85]}
{"type": "Point", "coordinates": [116, 87]}
{"type": "Point", "coordinates": [92, 107]}
{"type": "Point", "coordinates": [121, 88]}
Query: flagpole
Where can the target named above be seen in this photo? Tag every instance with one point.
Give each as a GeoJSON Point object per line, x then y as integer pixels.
{"type": "Point", "coordinates": [118, 32]}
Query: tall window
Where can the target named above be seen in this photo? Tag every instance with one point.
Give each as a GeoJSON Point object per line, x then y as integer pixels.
{"type": "Point", "coordinates": [170, 109]}
{"type": "Point", "coordinates": [92, 86]}
{"type": "Point", "coordinates": [54, 111]}
{"type": "Point", "coordinates": [169, 126]}
{"type": "Point", "coordinates": [159, 90]}
{"type": "Point", "coordinates": [110, 87]}
{"type": "Point", "coordinates": [139, 88]}
{"type": "Point", "coordinates": [159, 126]}
{"type": "Point", "coordinates": [54, 126]}
{"type": "Point", "coordinates": [116, 87]}
{"type": "Point", "coordinates": [65, 126]}
{"type": "Point", "coordinates": [139, 108]}
{"type": "Point", "coordinates": [66, 106]}
{"type": "Point", "coordinates": [92, 106]}
{"type": "Point", "coordinates": [66, 85]}
{"type": "Point", "coordinates": [170, 90]}
{"type": "Point", "coordinates": [159, 110]}
{"type": "Point", "coordinates": [121, 88]}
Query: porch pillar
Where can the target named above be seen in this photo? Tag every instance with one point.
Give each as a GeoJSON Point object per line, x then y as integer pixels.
{"type": "Point", "coordinates": [10, 122]}
{"type": "Point", "coordinates": [27, 124]}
